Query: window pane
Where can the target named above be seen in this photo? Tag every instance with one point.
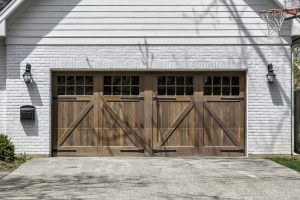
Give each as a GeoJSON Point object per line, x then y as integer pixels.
{"type": "Point", "coordinates": [79, 90]}
{"type": "Point", "coordinates": [116, 80]}
{"type": "Point", "coordinates": [217, 80]}
{"type": "Point", "coordinates": [171, 91]}
{"type": "Point", "coordinates": [125, 80]}
{"type": "Point", "coordinates": [208, 80]}
{"type": "Point", "coordinates": [161, 80]}
{"type": "Point", "coordinates": [226, 80]}
{"type": "Point", "coordinates": [135, 80]}
{"type": "Point", "coordinates": [116, 90]}
{"type": "Point", "coordinates": [226, 91]}
{"type": "Point", "coordinates": [89, 80]}
{"type": "Point", "coordinates": [61, 90]}
{"type": "Point", "coordinates": [235, 91]}
{"type": "Point", "coordinates": [70, 90]}
{"type": "Point", "coordinates": [79, 80]}
{"type": "Point", "coordinates": [180, 80]}
{"type": "Point", "coordinates": [235, 80]}
{"type": "Point", "coordinates": [107, 80]}
{"type": "Point", "coordinates": [189, 80]}
{"type": "Point", "coordinates": [189, 90]}
{"type": "Point", "coordinates": [161, 90]}
{"type": "Point", "coordinates": [61, 80]}
{"type": "Point", "coordinates": [126, 91]}
{"type": "Point", "coordinates": [107, 91]}
{"type": "Point", "coordinates": [171, 80]}
{"type": "Point", "coordinates": [135, 90]}
{"type": "Point", "coordinates": [89, 90]}
{"type": "Point", "coordinates": [70, 80]}
{"type": "Point", "coordinates": [217, 90]}
{"type": "Point", "coordinates": [207, 91]}
{"type": "Point", "coordinates": [179, 90]}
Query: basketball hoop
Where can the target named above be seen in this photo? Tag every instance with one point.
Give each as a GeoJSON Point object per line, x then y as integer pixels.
{"type": "Point", "coordinates": [275, 17]}
{"type": "Point", "coordinates": [274, 20]}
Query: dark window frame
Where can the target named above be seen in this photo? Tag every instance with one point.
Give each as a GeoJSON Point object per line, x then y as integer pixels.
{"type": "Point", "coordinates": [174, 85]}
{"type": "Point", "coordinates": [211, 89]}
{"type": "Point", "coordinates": [125, 85]}
{"type": "Point", "coordinates": [88, 89]}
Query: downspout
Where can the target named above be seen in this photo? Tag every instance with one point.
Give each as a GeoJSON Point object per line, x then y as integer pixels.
{"type": "Point", "coordinates": [292, 103]}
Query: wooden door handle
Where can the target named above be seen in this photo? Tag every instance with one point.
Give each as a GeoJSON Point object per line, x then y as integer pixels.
{"type": "Point", "coordinates": [132, 150]}
{"type": "Point", "coordinates": [64, 98]}
{"type": "Point", "coordinates": [232, 98]}
{"type": "Point", "coordinates": [133, 98]}
{"type": "Point", "coordinates": [164, 98]}
{"type": "Point", "coordinates": [164, 150]}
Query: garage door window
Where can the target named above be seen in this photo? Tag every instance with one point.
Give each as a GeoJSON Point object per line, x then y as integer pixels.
{"type": "Point", "coordinates": [222, 86]}
{"type": "Point", "coordinates": [75, 85]}
{"type": "Point", "coordinates": [175, 85]}
{"type": "Point", "coordinates": [121, 85]}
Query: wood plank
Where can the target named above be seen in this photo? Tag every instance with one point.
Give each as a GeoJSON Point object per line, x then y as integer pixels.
{"type": "Point", "coordinates": [121, 40]}
{"type": "Point", "coordinates": [148, 122]}
{"type": "Point", "coordinates": [162, 14]}
{"type": "Point", "coordinates": [175, 124]}
{"type": "Point", "coordinates": [222, 125]}
{"type": "Point", "coordinates": [149, 20]}
{"type": "Point", "coordinates": [147, 8]}
{"type": "Point", "coordinates": [127, 130]}
{"type": "Point", "coordinates": [155, 2]}
{"type": "Point", "coordinates": [135, 26]}
{"type": "Point", "coordinates": [142, 33]}
{"type": "Point", "coordinates": [75, 123]}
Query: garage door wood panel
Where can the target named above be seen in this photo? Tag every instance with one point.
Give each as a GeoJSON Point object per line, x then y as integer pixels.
{"type": "Point", "coordinates": [123, 124]}
{"type": "Point", "coordinates": [148, 114]}
{"type": "Point", "coordinates": [75, 125]}
{"type": "Point", "coordinates": [178, 126]}
{"type": "Point", "coordinates": [222, 127]}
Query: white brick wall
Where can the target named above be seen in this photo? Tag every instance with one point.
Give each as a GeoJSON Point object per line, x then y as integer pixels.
{"type": "Point", "coordinates": [2, 87]}
{"type": "Point", "coordinates": [269, 108]}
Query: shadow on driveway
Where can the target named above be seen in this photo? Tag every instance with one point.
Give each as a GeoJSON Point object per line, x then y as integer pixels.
{"type": "Point", "coordinates": [150, 178]}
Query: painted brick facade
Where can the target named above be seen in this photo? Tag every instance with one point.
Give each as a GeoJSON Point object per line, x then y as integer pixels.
{"type": "Point", "coordinates": [269, 108]}
{"type": "Point", "coordinates": [2, 88]}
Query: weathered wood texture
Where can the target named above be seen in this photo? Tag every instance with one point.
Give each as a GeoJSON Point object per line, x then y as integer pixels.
{"type": "Point", "coordinates": [162, 22]}
{"type": "Point", "coordinates": [170, 115]}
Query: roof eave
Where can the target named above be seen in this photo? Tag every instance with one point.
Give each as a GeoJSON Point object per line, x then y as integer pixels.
{"type": "Point", "coordinates": [6, 12]}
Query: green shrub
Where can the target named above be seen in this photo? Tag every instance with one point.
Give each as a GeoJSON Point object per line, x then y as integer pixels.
{"type": "Point", "coordinates": [7, 149]}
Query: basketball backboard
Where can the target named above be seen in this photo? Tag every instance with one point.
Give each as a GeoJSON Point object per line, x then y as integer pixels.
{"type": "Point", "coordinates": [292, 3]}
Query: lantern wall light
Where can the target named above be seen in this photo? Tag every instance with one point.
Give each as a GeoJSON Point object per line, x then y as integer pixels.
{"type": "Point", "coordinates": [271, 75]}
{"type": "Point", "coordinates": [27, 76]}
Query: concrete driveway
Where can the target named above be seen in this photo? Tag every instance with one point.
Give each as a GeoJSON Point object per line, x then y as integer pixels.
{"type": "Point", "coordinates": [150, 178]}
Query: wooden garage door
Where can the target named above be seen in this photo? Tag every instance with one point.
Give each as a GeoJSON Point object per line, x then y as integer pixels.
{"type": "Point", "coordinates": [148, 114]}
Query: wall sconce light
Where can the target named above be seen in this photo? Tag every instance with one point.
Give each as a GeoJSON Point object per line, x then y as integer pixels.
{"type": "Point", "coordinates": [27, 76]}
{"type": "Point", "coordinates": [271, 75]}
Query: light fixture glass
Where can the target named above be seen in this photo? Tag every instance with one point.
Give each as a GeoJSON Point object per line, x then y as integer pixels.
{"type": "Point", "coordinates": [27, 76]}
{"type": "Point", "coordinates": [271, 75]}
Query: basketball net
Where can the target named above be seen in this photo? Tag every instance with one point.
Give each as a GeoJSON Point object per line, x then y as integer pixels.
{"type": "Point", "coordinates": [275, 17]}
{"type": "Point", "coordinates": [274, 22]}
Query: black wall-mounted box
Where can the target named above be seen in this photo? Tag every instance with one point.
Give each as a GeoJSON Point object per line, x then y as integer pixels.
{"type": "Point", "coordinates": [27, 113]}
